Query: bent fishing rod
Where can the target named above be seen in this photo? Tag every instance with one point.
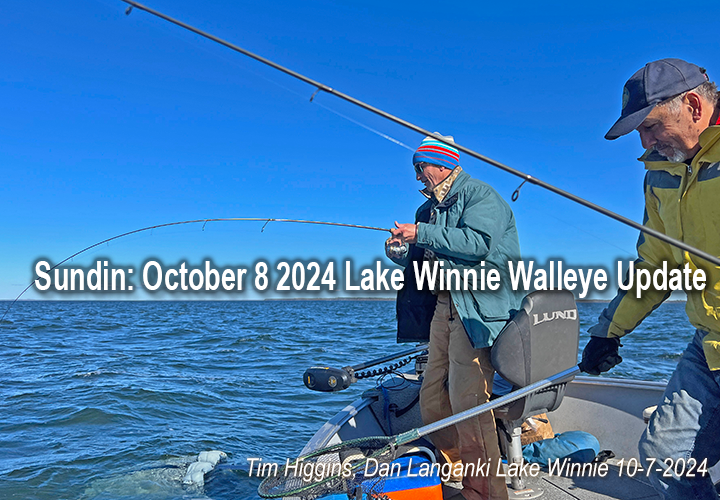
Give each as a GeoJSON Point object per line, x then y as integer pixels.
{"type": "Point", "coordinates": [321, 87]}
{"type": "Point", "coordinates": [266, 220]}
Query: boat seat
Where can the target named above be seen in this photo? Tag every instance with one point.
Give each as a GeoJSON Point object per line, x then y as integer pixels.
{"type": "Point", "coordinates": [539, 341]}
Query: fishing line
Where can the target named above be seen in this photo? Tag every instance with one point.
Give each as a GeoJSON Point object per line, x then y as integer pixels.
{"type": "Point", "coordinates": [234, 63]}
{"type": "Point", "coordinates": [321, 87]}
{"type": "Point", "coordinates": [318, 103]}
{"type": "Point", "coordinates": [266, 220]}
{"type": "Point", "coordinates": [383, 135]}
{"type": "Point", "coordinates": [312, 99]}
{"type": "Point", "coordinates": [294, 92]}
{"type": "Point", "coordinates": [578, 228]}
{"type": "Point", "coordinates": [367, 127]}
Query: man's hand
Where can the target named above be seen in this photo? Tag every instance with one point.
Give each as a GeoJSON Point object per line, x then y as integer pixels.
{"type": "Point", "coordinates": [600, 354]}
{"type": "Point", "coordinates": [405, 233]}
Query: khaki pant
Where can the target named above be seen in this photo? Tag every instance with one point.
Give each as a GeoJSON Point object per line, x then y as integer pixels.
{"type": "Point", "coordinates": [459, 377]}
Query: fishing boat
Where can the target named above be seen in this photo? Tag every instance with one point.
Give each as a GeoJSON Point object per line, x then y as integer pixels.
{"type": "Point", "coordinates": [613, 410]}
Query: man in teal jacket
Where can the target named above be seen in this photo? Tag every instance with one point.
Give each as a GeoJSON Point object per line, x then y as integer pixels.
{"type": "Point", "coordinates": [470, 227]}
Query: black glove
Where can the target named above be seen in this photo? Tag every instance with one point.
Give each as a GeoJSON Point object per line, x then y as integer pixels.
{"type": "Point", "coordinates": [600, 354]}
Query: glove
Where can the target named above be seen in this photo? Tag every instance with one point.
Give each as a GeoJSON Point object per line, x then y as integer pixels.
{"type": "Point", "coordinates": [600, 354]}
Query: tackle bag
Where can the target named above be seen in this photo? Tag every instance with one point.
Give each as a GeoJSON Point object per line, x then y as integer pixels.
{"type": "Point", "coordinates": [576, 446]}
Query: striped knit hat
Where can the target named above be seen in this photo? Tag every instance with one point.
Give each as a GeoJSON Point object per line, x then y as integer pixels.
{"type": "Point", "coordinates": [438, 153]}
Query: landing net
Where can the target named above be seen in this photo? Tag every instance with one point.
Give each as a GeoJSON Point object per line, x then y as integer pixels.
{"type": "Point", "coordinates": [339, 468]}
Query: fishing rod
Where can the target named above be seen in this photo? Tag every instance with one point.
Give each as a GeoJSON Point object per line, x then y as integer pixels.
{"type": "Point", "coordinates": [321, 87]}
{"type": "Point", "coordinates": [266, 220]}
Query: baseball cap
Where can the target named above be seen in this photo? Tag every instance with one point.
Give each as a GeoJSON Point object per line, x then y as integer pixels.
{"type": "Point", "coordinates": [651, 85]}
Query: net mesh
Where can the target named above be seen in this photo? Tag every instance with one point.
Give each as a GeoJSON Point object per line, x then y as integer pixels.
{"type": "Point", "coordinates": [349, 467]}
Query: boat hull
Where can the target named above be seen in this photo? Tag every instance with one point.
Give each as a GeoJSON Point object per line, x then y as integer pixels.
{"type": "Point", "coordinates": [610, 409]}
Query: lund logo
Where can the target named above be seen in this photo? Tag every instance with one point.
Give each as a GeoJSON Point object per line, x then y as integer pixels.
{"type": "Point", "coordinates": [551, 316]}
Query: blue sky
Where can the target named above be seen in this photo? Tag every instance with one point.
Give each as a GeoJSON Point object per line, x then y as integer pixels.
{"type": "Point", "coordinates": [113, 122]}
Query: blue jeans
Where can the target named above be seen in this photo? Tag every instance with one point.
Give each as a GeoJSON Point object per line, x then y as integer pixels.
{"type": "Point", "coordinates": [686, 425]}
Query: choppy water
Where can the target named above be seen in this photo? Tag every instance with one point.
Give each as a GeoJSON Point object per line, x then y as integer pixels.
{"type": "Point", "coordinates": [111, 400]}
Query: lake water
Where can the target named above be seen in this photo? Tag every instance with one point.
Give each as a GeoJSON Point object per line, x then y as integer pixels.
{"type": "Point", "coordinates": [111, 400]}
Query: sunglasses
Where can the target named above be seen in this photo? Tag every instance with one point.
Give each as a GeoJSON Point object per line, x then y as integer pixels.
{"type": "Point", "coordinates": [420, 167]}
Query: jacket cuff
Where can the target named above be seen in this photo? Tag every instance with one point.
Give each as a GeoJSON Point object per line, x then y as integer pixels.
{"type": "Point", "coordinates": [423, 239]}
{"type": "Point", "coordinates": [605, 329]}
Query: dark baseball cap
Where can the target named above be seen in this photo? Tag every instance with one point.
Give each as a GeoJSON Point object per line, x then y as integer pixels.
{"type": "Point", "coordinates": [651, 85]}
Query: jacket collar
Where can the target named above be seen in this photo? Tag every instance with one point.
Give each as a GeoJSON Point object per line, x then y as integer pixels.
{"type": "Point", "coordinates": [440, 191]}
{"type": "Point", "coordinates": [709, 153]}
{"type": "Point", "coordinates": [710, 144]}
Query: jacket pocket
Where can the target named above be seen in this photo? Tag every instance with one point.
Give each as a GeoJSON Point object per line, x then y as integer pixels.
{"type": "Point", "coordinates": [492, 306]}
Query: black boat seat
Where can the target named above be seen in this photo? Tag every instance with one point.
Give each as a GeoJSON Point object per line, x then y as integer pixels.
{"type": "Point", "coordinates": [540, 340]}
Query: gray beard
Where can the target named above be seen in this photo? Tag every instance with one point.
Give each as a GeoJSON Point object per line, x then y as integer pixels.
{"type": "Point", "coordinates": [677, 156]}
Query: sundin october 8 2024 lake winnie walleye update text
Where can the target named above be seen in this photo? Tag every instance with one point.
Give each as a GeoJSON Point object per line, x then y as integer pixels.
{"type": "Point", "coordinates": [312, 276]}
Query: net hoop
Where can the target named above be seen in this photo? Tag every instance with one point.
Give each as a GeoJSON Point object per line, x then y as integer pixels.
{"type": "Point", "coordinates": [345, 459]}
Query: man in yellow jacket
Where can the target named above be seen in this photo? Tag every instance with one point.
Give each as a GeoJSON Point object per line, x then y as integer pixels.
{"type": "Point", "coordinates": [675, 108]}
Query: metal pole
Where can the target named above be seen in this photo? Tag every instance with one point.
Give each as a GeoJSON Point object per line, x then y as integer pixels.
{"type": "Point", "coordinates": [490, 405]}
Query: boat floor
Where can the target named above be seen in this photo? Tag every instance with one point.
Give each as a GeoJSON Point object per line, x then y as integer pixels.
{"type": "Point", "coordinates": [612, 486]}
